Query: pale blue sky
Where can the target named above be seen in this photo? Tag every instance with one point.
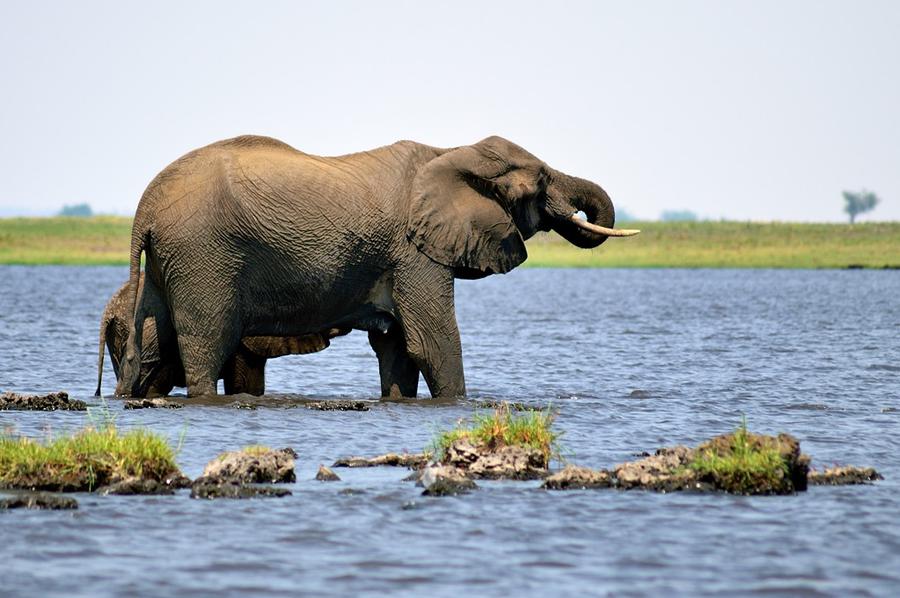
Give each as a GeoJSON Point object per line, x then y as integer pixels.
{"type": "Point", "coordinates": [747, 110]}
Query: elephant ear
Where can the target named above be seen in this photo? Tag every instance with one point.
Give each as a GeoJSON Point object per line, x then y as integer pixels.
{"type": "Point", "coordinates": [457, 215]}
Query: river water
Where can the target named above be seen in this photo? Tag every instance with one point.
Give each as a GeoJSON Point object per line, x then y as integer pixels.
{"type": "Point", "coordinates": [813, 353]}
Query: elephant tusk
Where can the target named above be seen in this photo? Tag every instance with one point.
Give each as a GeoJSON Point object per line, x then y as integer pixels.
{"type": "Point", "coordinates": [602, 230]}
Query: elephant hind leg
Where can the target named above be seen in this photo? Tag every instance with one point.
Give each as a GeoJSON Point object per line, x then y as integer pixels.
{"type": "Point", "coordinates": [204, 357]}
{"type": "Point", "coordinates": [245, 372]}
{"type": "Point", "coordinates": [399, 373]}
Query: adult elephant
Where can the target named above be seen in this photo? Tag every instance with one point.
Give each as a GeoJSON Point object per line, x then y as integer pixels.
{"type": "Point", "coordinates": [249, 236]}
{"type": "Point", "coordinates": [161, 367]}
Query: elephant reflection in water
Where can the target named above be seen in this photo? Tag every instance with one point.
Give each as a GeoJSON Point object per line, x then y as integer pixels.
{"type": "Point", "coordinates": [251, 238]}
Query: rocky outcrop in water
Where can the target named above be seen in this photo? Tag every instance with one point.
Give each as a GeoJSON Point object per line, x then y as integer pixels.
{"type": "Point", "coordinates": [254, 465]}
{"type": "Point", "coordinates": [445, 480]}
{"type": "Point", "coordinates": [232, 474]}
{"type": "Point", "coordinates": [505, 462]}
{"type": "Point", "coordinates": [338, 405]}
{"type": "Point", "coordinates": [135, 485]}
{"type": "Point", "coordinates": [574, 477]}
{"type": "Point", "coordinates": [152, 404]}
{"type": "Point", "coordinates": [389, 459]}
{"type": "Point", "coordinates": [210, 490]}
{"type": "Point", "coordinates": [843, 476]}
{"type": "Point", "coordinates": [326, 475]}
{"type": "Point", "coordinates": [38, 500]}
{"type": "Point", "coordinates": [55, 401]}
{"type": "Point", "coordinates": [681, 468]}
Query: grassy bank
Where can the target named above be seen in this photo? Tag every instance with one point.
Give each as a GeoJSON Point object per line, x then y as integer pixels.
{"type": "Point", "coordinates": [104, 240]}
{"type": "Point", "coordinates": [99, 240]}
{"type": "Point", "coordinates": [730, 245]}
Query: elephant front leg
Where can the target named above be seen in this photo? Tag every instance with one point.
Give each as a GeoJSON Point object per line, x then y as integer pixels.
{"type": "Point", "coordinates": [424, 299]}
{"type": "Point", "coordinates": [399, 373]}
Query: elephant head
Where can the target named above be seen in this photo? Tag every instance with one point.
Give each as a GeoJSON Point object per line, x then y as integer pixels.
{"type": "Point", "coordinates": [473, 207]}
{"type": "Point", "coordinates": [161, 368]}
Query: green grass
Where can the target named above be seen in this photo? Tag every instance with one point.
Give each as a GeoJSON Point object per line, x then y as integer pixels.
{"type": "Point", "coordinates": [105, 240]}
{"type": "Point", "coordinates": [744, 465]}
{"type": "Point", "coordinates": [85, 460]}
{"type": "Point", "coordinates": [98, 240]}
{"type": "Point", "coordinates": [253, 450]}
{"type": "Point", "coordinates": [504, 427]}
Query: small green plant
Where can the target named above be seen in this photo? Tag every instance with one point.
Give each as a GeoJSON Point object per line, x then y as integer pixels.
{"type": "Point", "coordinates": [742, 462]}
{"type": "Point", "coordinates": [252, 449]}
{"type": "Point", "coordinates": [504, 427]}
{"type": "Point", "coordinates": [84, 461]}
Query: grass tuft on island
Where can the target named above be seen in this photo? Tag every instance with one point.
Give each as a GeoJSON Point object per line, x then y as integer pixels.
{"type": "Point", "coordinates": [504, 427]}
{"type": "Point", "coordinates": [86, 460]}
{"type": "Point", "coordinates": [741, 462]}
{"type": "Point", "coordinates": [104, 240]}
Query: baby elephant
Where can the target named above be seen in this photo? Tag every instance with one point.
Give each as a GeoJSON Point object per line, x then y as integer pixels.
{"type": "Point", "coordinates": [161, 367]}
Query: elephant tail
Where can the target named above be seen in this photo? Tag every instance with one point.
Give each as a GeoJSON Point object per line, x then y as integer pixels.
{"type": "Point", "coordinates": [105, 323]}
{"type": "Point", "coordinates": [103, 326]}
{"type": "Point", "coordinates": [140, 241]}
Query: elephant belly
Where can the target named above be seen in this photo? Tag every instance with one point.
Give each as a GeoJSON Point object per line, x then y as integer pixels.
{"type": "Point", "coordinates": [313, 303]}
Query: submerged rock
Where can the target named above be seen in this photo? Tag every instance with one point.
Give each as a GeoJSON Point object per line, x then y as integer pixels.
{"type": "Point", "coordinates": [254, 465]}
{"type": "Point", "coordinates": [389, 459]}
{"type": "Point", "coordinates": [135, 485]}
{"type": "Point", "coordinates": [326, 475]}
{"type": "Point", "coordinates": [338, 406]}
{"type": "Point", "coordinates": [574, 477]}
{"type": "Point", "coordinates": [843, 476]}
{"type": "Point", "coordinates": [152, 404]}
{"type": "Point", "coordinates": [445, 480]}
{"type": "Point", "coordinates": [38, 500]}
{"type": "Point", "coordinates": [506, 462]}
{"type": "Point", "coordinates": [209, 490]}
{"type": "Point", "coordinates": [55, 401]}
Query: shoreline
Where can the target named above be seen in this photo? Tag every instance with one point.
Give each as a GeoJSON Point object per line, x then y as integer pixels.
{"type": "Point", "coordinates": [104, 240]}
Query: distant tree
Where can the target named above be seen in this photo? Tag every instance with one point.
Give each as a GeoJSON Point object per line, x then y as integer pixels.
{"type": "Point", "coordinates": [859, 202]}
{"type": "Point", "coordinates": [81, 209]}
{"type": "Point", "coordinates": [678, 216]}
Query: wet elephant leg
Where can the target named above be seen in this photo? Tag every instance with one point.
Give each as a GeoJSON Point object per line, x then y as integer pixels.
{"type": "Point", "coordinates": [245, 372]}
{"type": "Point", "coordinates": [399, 373]}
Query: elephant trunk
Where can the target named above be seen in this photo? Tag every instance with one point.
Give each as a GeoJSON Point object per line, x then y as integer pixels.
{"type": "Point", "coordinates": [568, 195]}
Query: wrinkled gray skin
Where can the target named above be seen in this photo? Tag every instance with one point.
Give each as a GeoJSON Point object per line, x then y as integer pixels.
{"type": "Point", "coordinates": [249, 236]}
{"type": "Point", "coordinates": [161, 368]}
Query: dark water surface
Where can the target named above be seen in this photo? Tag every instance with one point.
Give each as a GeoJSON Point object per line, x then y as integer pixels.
{"type": "Point", "coordinates": [813, 353]}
